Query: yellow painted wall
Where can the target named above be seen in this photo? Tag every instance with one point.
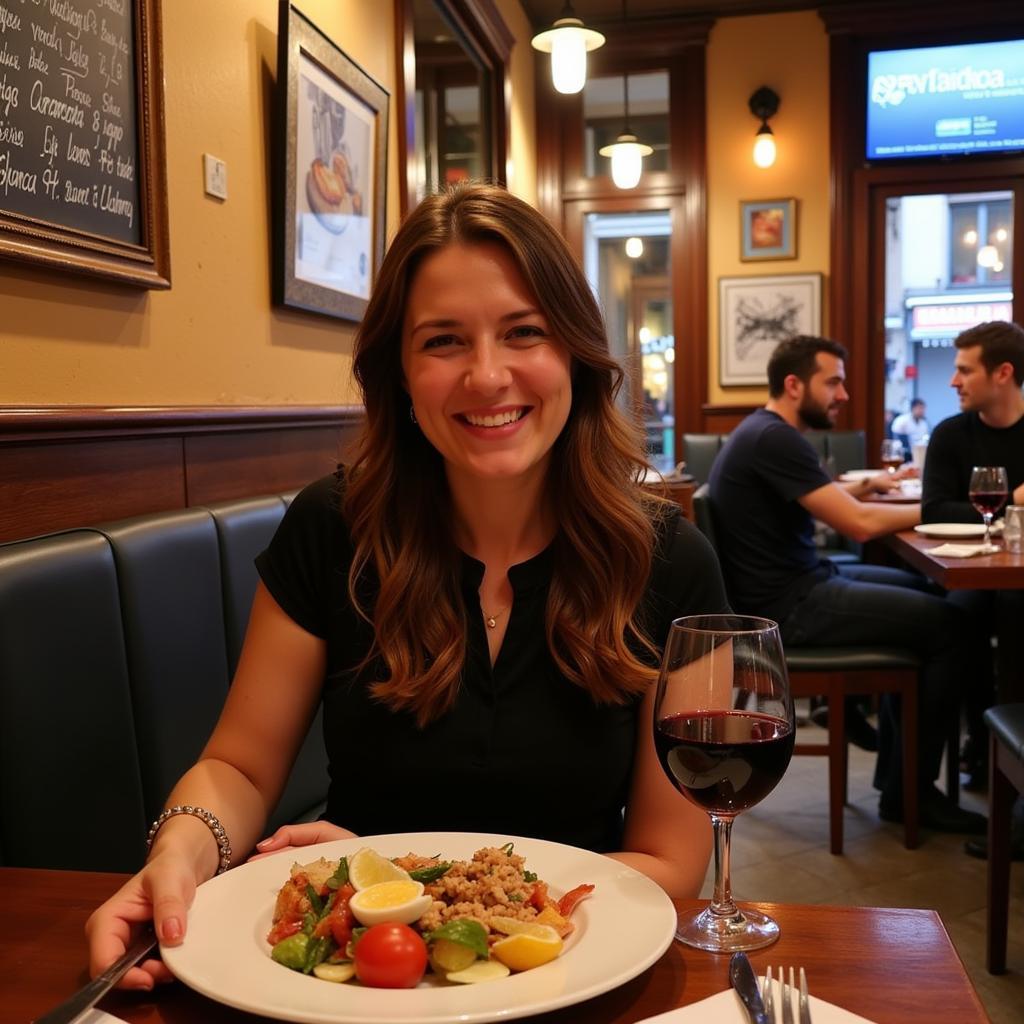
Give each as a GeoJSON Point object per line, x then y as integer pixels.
{"type": "Point", "coordinates": [795, 65]}
{"type": "Point", "coordinates": [214, 338]}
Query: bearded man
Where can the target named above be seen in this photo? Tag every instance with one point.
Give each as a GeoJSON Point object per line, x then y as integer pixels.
{"type": "Point", "coordinates": [767, 487]}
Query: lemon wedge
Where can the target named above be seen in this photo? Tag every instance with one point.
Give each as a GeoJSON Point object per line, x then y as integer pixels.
{"type": "Point", "coordinates": [367, 867]}
{"type": "Point", "coordinates": [482, 970]}
{"type": "Point", "coordinates": [531, 946]}
{"type": "Point", "coordinates": [400, 900]}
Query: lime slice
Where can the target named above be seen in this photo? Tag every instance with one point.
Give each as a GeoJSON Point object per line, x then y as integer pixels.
{"type": "Point", "coordinates": [367, 867]}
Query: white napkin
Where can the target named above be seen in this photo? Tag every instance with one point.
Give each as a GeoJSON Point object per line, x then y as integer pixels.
{"type": "Point", "coordinates": [726, 1008]}
{"type": "Point", "coordinates": [962, 550]}
{"type": "Point", "coordinates": [95, 1016]}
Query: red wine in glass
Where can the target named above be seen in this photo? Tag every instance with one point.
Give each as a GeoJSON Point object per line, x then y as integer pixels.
{"type": "Point", "coordinates": [724, 761]}
{"type": "Point", "coordinates": [724, 729]}
{"type": "Point", "coordinates": [988, 503]}
{"type": "Point", "coordinates": [892, 464]}
{"type": "Point", "coordinates": [988, 490]}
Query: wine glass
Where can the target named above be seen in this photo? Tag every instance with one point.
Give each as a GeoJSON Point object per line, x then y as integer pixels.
{"type": "Point", "coordinates": [988, 491]}
{"type": "Point", "coordinates": [724, 731]}
{"type": "Point", "coordinates": [892, 454]}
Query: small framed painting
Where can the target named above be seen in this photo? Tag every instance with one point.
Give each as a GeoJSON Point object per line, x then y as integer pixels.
{"type": "Point", "coordinates": [768, 229]}
{"type": "Point", "coordinates": [755, 314]}
{"type": "Point", "coordinates": [330, 187]}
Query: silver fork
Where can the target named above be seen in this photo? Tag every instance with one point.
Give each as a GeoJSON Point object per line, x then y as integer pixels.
{"type": "Point", "coordinates": [786, 997]}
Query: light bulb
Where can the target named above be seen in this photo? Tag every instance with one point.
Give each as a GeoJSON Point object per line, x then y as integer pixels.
{"type": "Point", "coordinates": [568, 60]}
{"type": "Point", "coordinates": [644, 334]}
{"type": "Point", "coordinates": [634, 247]}
{"type": "Point", "coordinates": [970, 237]}
{"type": "Point", "coordinates": [669, 355]}
{"type": "Point", "coordinates": [764, 148]}
{"type": "Point", "coordinates": [1001, 235]}
{"type": "Point", "coordinates": [988, 256]}
{"type": "Point", "coordinates": [627, 163]}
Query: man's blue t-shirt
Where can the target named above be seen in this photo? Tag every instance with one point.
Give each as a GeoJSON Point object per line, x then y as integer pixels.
{"type": "Point", "coordinates": [765, 537]}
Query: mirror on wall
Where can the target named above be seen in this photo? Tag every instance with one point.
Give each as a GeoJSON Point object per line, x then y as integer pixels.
{"type": "Point", "coordinates": [452, 128]}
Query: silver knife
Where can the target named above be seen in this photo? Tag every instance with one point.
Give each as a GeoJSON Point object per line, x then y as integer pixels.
{"type": "Point", "coordinates": [92, 993]}
{"type": "Point", "coordinates": [743, 979]}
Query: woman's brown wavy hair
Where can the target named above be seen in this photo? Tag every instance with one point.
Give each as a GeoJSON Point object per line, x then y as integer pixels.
{"type": "Point", "coordinates": [406, 571]}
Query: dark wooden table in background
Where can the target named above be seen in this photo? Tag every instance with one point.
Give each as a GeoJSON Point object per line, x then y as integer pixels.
{"type": "Point", "coordinates": [1001, 571]}
{"type": "Point", "coordinates": [890, 966]}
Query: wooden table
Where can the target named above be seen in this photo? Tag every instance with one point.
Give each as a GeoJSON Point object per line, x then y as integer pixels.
{"type": "Point", "coordinates": [1001, 571]}
{"type": "Point", "coordinates": [891, 966]}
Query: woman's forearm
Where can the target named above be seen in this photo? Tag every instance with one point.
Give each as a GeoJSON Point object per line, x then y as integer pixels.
{"type": "Point", "coordinates": [680, 881]}
{"type": "Point", "coordinates": [227, 793]}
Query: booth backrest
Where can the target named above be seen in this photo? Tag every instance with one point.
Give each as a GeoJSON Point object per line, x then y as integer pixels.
{"type": "Point", "coordinates": [117, 646]}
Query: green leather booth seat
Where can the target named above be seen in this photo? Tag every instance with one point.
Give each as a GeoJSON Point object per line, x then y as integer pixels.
{"type": "Point", "coordinates": [117, 646]}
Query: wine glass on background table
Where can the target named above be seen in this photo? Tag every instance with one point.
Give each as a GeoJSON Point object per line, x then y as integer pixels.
{"type": "Point", "coordinates": [893, 455]}
{"type": "Point", "coordinates": [988, 491]}
{"type": "Point", "coordinates": [724, 730]}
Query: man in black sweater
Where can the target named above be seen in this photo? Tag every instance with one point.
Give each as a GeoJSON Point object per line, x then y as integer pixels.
{"type": "Point", "coordinates": [989, 431]}
{"type": "Point", "coordinates": [990, 428]}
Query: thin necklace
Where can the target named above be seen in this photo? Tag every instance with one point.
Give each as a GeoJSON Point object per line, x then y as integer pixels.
{"type": "Point", "coordinates": [492, 620]}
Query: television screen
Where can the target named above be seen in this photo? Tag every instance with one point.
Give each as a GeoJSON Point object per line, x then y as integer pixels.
{"type": "Point", "coordinates": [939, 100]}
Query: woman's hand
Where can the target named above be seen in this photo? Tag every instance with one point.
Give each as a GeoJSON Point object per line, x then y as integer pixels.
{"type": "Point", "coordinates": [291, 837]}
{"type": "Point", "coordinates": [162, 891]}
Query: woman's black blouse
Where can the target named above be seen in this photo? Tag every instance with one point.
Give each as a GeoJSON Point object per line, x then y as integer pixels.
{"type": "Point", "coordinates": [523, 751]}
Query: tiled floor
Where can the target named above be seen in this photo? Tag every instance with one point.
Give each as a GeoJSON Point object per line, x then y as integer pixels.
{"type": "Point", "coordinates": [780, 853]}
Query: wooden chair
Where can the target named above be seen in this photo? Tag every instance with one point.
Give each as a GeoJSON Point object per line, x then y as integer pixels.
{"type": "Point", "coordinates": [1006, 782]}
{"type": "Point", "coordinates": [836, 673]}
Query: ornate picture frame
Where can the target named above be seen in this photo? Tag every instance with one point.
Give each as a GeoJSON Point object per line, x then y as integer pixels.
{"type": "Point", "coordinates": [755, 314]}
{"type": "Point", "coordinates": [330, 189]}
{"type": "Point", "coordinates": [767, 229]}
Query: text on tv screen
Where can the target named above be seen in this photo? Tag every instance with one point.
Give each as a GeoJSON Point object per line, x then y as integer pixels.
{"type": "Point", "coordinates": [939, 100]}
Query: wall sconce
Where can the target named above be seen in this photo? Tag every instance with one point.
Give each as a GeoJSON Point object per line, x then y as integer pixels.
{"type": "Point", "coordinates": [627, 152]}
{"type": "Point", "coordinates": [764, 104]}
{"type": "Point", "coordinates": [568, 41]}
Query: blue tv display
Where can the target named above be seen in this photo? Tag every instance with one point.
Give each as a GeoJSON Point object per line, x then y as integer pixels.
{"type": "Point", "coordinates": [940, 100]}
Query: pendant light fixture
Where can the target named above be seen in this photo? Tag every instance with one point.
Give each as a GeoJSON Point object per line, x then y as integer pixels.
{"type": "Point", "coordinates": [568, 41]}
{"type": "Point", "coordinates": [764, 104]}
{"type": "Point", "coordinates": [627, 152]}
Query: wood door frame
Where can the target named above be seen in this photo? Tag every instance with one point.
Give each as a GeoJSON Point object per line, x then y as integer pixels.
{"type": "Point", "coordinates": [679, 46]}
{"type": "Point", "coordinates": [872, 188]}
{"type": "Point", "coordinates": [481, 27]}
{"type": "Point", "coordinates": [690, 369]}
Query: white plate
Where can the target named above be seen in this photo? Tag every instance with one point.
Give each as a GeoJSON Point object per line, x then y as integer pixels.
{"type": "Point", "coordinates": [853, 475]}
{"type": "Point", "coordinates": [951, 529]}
{"type": "Point", "coordinates": [621, 930]}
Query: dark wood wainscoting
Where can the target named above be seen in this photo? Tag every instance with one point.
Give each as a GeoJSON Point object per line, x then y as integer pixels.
{"type": "Point", "coordinates": [721, 419]}
{"type": "Point", "coordinates": [63, 467]}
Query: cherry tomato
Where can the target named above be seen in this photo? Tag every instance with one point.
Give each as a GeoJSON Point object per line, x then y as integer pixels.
{"type": "Point", "coordinates": [390, 955]}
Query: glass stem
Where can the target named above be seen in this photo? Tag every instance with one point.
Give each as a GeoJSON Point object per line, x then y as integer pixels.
{"type": "Point", "coordinates": [988, 528]}
{"type": "Point", "coordinates": [722, 904]}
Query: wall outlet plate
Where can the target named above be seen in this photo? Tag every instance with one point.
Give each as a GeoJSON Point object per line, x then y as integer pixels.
{"type": "Point", "coordinates": [215, 174]}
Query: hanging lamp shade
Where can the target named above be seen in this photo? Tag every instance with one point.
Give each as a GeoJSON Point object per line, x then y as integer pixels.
{"type": "Point", "coordinates": [627, 155]}
{"type": "Point", "coordinates": [568, 41]}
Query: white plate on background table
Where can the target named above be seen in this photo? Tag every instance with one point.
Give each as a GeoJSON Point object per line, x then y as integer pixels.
{"type": "Point", "coordinates": [853, 475]}
{"type": "Point", "coordinates": [951, 529]}
{"type": "Point", "coordinates": [621, 930]}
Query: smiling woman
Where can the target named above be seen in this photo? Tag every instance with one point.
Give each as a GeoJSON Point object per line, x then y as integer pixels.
{"type": "Point", "coordinates": [495, 472]}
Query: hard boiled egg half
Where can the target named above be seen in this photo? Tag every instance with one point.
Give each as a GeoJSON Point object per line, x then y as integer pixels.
{"type": "Point", "coordinates": [401, 900]}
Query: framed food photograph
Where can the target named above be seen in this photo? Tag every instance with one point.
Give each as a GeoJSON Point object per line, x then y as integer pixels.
{"type": "Point", "coordinates": [755, 314]}
{"type": "Point", "coordinates": [331, 161]}
{"type": "Point", "coordinates": [768, 229]}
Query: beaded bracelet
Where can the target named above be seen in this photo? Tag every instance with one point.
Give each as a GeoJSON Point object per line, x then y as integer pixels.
{"type": "Point", "coordinates": [208, 818]}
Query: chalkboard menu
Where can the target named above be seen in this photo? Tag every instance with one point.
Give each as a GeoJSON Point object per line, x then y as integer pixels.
{"type": "Point", "coordinates": [72, 157]}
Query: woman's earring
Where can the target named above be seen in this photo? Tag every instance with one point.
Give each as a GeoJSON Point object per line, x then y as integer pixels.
{"type": "Point", "coordinates": [412, 415]}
